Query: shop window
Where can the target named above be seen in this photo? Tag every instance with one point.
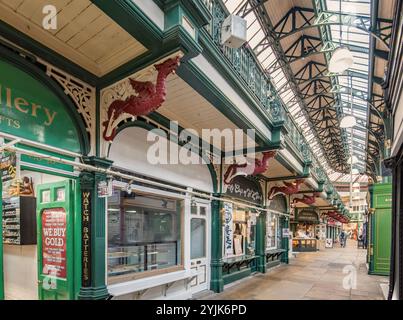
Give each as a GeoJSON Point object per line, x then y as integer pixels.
{"type": "Point", "coordinates": [144, 233]}
{"type": "Point", "coordinates": [238, 232]}
{"type": "Point", "coordinates": [198, 238]}
{"type": "Point", "coordinates": [45, 196]}
{"type": "Point", "coordinates": [272, 231]}
{"type": "Point", "coordinates": [203, 211]}
{"type": "Point", "coordinates": [193, 208]}
{"type": "Point", "coordinates": [60, 194]}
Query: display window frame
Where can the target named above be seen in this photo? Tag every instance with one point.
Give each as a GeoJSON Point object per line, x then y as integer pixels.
{"type": "Point", "coordinates": [181, 266]}
{"type": "Point", "coordinates": [246, 232]}
{"type": "Point", "coordinates": [276, 230]}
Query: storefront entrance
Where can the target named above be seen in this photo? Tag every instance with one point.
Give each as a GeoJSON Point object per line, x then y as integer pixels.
{"type": "Point", "coordinates": [38, 218]}
{"type": "Point", "coordinates": [200, 244]}
{"type": "Point", "coordinates": [55, 240]}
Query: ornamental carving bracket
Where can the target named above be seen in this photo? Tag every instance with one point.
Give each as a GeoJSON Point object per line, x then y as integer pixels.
{"type": "Point", "coordinates": [258, 166]}
{"type": "Point", "coordinates": [289, 188]}
{"type": "Point", "coordinates": [146, 98]}
{"type": "Point", "coordinates": [308, 200]}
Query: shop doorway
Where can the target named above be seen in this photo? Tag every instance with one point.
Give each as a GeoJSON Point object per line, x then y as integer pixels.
{"type": "Point", "coordinates": [38, 235]}
{"type": "Point", "coordinates": [199, 245]}
{"type": "Point", "coordinates": [55, 213]}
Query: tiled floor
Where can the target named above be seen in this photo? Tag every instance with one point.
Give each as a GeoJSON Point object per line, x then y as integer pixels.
{"type": "Point", "coordinates": [330, 274]}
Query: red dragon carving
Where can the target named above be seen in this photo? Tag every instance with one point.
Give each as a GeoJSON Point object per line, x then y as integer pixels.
{"type": "Point", "coordinates": [309, 200]}
{"type": "Point", "coordinates": [289, 188]}
{"type": "Point", "coordinates": [249, 169]}
{"type": "Point", "coordinates": [337, 216]}
{"type": "Point", "coordinates": [148, 99]}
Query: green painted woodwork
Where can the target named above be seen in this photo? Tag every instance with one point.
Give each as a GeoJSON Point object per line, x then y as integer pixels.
{"type": "Point", "coordinates": [284, 223]}
{"type": "Point", "coordinates": [261, 243]}
{"type": "Point", "coordinates": [216, 279]}
{"type": "Point", "coordinates": [89, 181]}
{"type": "Point", "coordinates": [160, 42]}
{"type": "Point", "coordinates": [381, 228]}
{"type": "Point", "coordinates": [235, 276]}
{"type": "Point", "coordinates": [34, 107]}
{"type": "Point", "coordinates": [30, 110]}
{"type": "Point", "coordinates": [43, 163]}
{"type": "Point", "coordinates": [1, 246]}
{"type": "Point", "coordinates": [196, 9]}
{"type": "Point", "coordinates": [64, 288]}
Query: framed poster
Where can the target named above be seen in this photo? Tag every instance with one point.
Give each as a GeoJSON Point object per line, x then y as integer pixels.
{"type": "Point", "coordinates": [54, 242]}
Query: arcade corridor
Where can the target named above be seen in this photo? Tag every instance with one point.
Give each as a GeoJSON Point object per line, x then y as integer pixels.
{"type": "Point", "coordinates": [311, 276]}
{"type": "Point", "coordinates": [203, 149]}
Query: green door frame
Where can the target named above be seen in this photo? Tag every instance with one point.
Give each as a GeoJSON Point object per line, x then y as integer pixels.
{"type": "Point", "coordinates": [68, 206]}
{"type": "Point", "coordinates": [1, 246]}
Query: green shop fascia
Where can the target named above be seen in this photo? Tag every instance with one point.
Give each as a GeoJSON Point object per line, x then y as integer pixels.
{"type": "Point", "coordinates": [42, 199]}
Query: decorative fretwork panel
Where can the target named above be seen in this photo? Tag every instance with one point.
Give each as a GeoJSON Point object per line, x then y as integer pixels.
{"type": "Point", "coordinates": [83, 96]}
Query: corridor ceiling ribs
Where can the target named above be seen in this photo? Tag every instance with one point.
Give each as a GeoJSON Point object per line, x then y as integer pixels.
{"type": "Point", "coordinates": [294, 40]}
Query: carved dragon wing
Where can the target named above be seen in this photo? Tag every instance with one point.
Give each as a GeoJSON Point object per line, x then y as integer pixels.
{"type": "Point", "coordinates": [142, 87]}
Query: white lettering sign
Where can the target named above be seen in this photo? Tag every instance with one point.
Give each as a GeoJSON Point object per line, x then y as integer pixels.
{"type": "Point", "coordinates": [228, 231]}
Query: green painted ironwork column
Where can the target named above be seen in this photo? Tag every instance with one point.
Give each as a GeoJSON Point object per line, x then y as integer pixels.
{"type": "Point", "coordinates": [1, 246]}
{"type": "Point", "coordinates": [285, 241]}
{"type": "Point", "coordinates": [93, 285]}
{"type": "Point", "coordinates": [217, 282]}
{"type": "Point", "coordinates": [261, 243]}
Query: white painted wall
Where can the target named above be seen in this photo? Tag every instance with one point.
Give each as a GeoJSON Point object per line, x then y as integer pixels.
{"type": "Point", "coordinates": [20, 262]}
{"type": "Point", "coordinates": [202, 63]}
{"type": "Point", "coordinates": [129, 151]}
{"type": "Point", "coordinates": [152, 11]}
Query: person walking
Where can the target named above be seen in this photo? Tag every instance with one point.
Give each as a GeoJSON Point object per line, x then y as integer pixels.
{"type": "Point", "coordinates": [342, 237]}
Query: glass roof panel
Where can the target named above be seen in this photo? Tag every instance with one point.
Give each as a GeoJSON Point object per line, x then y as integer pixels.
{"type": "Point", "coordinates": [344, 35]}
{"type": "Point", "coordinates": [350, 36]}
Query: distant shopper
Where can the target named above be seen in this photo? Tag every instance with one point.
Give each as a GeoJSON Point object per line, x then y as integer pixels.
{"type": "Point", "coordinates": [343, 239]}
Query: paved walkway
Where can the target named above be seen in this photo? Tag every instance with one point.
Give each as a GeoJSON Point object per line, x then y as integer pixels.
{"type": "Point", "coordinates": [312, 275]}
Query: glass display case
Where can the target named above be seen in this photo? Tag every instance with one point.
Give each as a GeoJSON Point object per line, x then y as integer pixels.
{"type": "Point", "coordinates": [142, 257]}
{"type": "Point", "coordinates": [144, 233]}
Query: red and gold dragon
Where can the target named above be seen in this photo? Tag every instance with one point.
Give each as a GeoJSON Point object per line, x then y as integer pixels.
{"type": "Point", "coordinates": [249, 169]}
{"type": "Point", "coordinates": [148, 99]}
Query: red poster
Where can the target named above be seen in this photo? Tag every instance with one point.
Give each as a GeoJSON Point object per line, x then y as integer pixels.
{"type": "Point", "coordinates": [54, 242]}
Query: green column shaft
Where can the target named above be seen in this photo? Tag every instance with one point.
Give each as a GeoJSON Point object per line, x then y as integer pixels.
{"type": "Point", "coordinates": [284, 223]}
{"type": "Point", "coordinates": [96, 288]}
{"type": "Point", "coordinates": [1, 247]}
{"type": "Point", "coordinates": [261, 243]}
{"type": "Point", "coordinates": [217, 282]}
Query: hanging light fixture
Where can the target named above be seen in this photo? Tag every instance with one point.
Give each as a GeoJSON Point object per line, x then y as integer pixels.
{"type": "Point", "coordinates": [348, 121]}
{"type": "Point", "coordinates": [341, 60]}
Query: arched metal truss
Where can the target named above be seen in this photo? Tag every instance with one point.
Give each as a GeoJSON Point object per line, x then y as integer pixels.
{"type": "Point", "coordinates": [298, 19]}
{"type": "Point", "coordinates": [307, 46]}
{"type": "Point", "coordinates": [309, 90]}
